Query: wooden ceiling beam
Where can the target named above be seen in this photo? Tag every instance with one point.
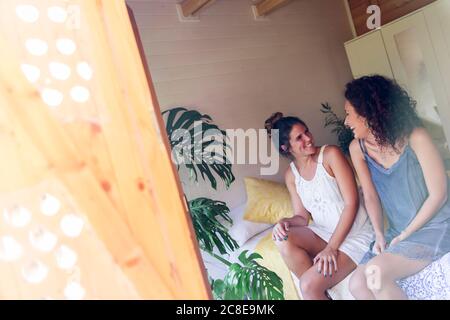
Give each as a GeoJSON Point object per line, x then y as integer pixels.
{"type": "Point", "coordinates": [266, 6]}
{"type": "Point", "coordinates": [189, 7]}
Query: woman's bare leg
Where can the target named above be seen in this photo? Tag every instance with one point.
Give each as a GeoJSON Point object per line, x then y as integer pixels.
{"type": "Point", "coordinates": [358, 284]}
{"type": "Point", "coordinates": [379, 276]}
{"type": "Point", "coordinates": [314, 284]}
{"type": "Point", "coordinates": [301, 246]}
{"type": "Point", "coordinates": [390, 268]}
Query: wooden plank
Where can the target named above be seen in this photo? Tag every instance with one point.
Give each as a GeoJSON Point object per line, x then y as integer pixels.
{"type": "Point", "coordinates": [390, 11]}
{"type": "Point", "coordinates": [108, 153]}
{"type": "Point", "coordinates": [139, 154]}
{"type": "Point", "coordinates": [54, 145]}
{"type": "Point", "coordinates": [189, 7]}
{"type": "Point", "coordinates": [24, 121]}
{"type": "Point", "coordinates": [267, 6]}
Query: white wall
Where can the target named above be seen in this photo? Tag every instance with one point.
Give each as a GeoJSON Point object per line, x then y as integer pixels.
{"type": "Point", "coordinates": [240, 71]}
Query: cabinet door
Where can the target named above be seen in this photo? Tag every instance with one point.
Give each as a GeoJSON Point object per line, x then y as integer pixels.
{"type": "Point", "coordinates": [438, 21]}
{"type": "Point", "coordinates": [415, 66]}
{"type": "Point", "coordinates": [367, 55]}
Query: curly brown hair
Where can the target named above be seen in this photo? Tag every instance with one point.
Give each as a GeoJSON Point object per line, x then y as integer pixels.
{"type": "Point", "coordinates": [388, 109]}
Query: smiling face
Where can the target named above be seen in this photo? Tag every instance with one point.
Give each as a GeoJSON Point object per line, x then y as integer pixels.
{"type": "Point", "coordinates": [301, 141]}
{"type": "Point", "coordinates": [355, 122]}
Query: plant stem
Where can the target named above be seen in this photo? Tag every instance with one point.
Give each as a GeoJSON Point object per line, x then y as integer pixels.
{"type": "Point", "coordinates": [226, 262]}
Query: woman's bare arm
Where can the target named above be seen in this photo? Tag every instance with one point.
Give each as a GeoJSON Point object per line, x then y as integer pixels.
{"type": "Point", "coordinates": [435, 179]}
{"type": "Point", "coordinates": [371, 199]}
{"type": "Point", "coordinates": [335, 159]}
{"type": "Point", "coordinates": [301, 215]}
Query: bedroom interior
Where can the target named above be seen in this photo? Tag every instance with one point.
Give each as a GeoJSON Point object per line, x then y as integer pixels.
{"type": "Point", "coordinates": [239, 67]}
{"type": "Point", "coordinates": [155, 66]}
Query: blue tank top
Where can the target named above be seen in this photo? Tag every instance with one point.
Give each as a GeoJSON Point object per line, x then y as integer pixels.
{"type": "Point", "coordinates": [402, 191]}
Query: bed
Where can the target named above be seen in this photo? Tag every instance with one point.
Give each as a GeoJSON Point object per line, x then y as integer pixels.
{"type": "Point", "coordinates": [432, 283]}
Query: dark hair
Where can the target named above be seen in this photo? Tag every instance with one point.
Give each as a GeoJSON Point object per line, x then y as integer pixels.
{"type": "Point", "coordinates": [284, 126]}
{"type": "Point", "coordinates": [390, 112]}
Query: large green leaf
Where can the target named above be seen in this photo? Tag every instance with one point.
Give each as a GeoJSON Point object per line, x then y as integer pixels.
{"type": "Point", "coordinates": [218, 288]}
{"type": "Point", "coordinates": [249, 280]}
{"type": "Point", "coordinates": [210, 232]}
{"type": "Point", "coordinates": [195, 153]}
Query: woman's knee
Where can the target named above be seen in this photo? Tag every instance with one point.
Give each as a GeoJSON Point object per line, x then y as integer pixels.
{"type": "Point", "coordinates": [310, 284]}
{"type": "Point", "coordinates": [285, 247]}
{"type": "Point", "coordinates": [377, 271]}
{"type": "Point", "coordinates": [358, 281]}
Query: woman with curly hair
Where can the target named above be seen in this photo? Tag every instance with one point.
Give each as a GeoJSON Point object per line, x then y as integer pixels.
{"type": "Point", "coordinates": [400, 171]}
{"type": "Point", "coordinates": [322, 186]}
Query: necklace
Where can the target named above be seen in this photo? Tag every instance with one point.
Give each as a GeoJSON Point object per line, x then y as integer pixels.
{"type": "Point", "coordinates": [383, 152]}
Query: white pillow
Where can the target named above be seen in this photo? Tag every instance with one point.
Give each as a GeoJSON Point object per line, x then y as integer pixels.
{"type": "Point", "coordinates": [242, 230]}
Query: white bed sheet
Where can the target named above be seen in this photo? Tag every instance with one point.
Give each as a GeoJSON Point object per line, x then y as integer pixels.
{"type": "Point", "coordinates": [217, 270]}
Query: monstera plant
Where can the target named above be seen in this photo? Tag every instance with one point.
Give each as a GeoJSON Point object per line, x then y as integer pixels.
{"type": "Point", "coordinates": [210, 232]}
{"type": "Point", "coordinates": [248, 281]}
{"type": "Point", "coordinates": [199, 146]}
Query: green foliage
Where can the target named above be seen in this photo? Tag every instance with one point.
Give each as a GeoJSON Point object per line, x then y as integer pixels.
{"type": "Point", "coordinates": [204, 151]}
{"type": "Point", "coordinates": [248, 280]}
{"type": "Point", "coordinates": [344, 134]}
{"type": "Point", "coordinates": [208, 229]}
{"type": "Point", "coordinates": [191, 136]}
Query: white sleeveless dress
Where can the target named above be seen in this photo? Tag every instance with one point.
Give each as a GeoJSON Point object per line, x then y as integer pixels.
{"type": "Point", "coordinates": [323, 199]}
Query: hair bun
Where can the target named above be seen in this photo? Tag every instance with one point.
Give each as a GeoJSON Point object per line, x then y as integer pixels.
{"type": "Point", "coordinates": [269, 124]}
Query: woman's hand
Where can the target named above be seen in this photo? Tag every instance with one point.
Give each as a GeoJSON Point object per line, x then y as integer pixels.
{"type": "Point", "coordinates": [326, 261]}
{"type": "Point", "coordinates": [281, 229]}
{"type": "Point", "coordinates": [380, 244]}
{"type": "Point", "coordinates": [402, 236]}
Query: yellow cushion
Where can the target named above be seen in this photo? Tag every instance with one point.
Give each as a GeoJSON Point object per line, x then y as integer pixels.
{"type": "Point", "coordinates": [273, 261]}
{"type": "Point", "coordinates": [267, 201]}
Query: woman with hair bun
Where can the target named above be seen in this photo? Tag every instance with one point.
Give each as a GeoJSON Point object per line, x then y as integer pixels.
{"type": "Point", "coordinates": [400, 171]}
{"type": "Point", "coordinates": [322, 187]}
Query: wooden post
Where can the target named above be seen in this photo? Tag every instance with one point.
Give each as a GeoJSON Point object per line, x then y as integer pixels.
{"type": "Point", "coordinates": [86, 128]}
{"type": "Point", "coordinates": [266, 6]}
{"type": "Point", "coordinates": [189, 7]}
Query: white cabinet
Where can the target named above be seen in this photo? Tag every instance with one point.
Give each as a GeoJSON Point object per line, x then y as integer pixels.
{"type": "Point", "coordinates": [415, 51]}
{"type": "Point", "coordinates": [367, 55]}
{"type": "Point", "coordinates": [437, 17]}
{"type": "Point", "coordinates": [414, 65]}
